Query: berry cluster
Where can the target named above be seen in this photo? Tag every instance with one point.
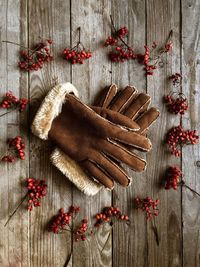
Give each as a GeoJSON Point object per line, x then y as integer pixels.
{"type": "Point", "coordinates": [108, 214]}
{"type": "Point", "coordinates": [36, 191]}
{"type": "Point", "coordinates": [147, 205]}
{"type": "Point", "coordinates": [36, 58]}
{"type": "Point", "coordinates": [11, 101]}
{"type": "Point", "coordinates": [19, 146]}
{"type": "Point", "coordinates": [178, 137]}
{"type": "Point", "coordinates": [76, 55]}
{"type": "Point", "coordinates": [16, 146]}
{"type": "Point", "coordinates": [80, 232]}
{"type": "Point", "coordinates": [176, 78]}
{"type": "Point", "coordinates": [176, 103]}
{"type": "Point", "coordinates": [63, 219]}
{"type": "Point", "coordinates": [173, 175]}
{"type": "Point", "coordinates": [8, 158]}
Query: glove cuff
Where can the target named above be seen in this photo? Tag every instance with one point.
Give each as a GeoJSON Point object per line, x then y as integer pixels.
{"type": "Point", "coordinates": [74, 173]}
{"type": "Point", "coordinates": [50, 108]}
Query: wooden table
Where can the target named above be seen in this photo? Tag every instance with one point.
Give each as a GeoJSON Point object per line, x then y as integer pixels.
{"type": "Point", "coordinates": [26, 241]}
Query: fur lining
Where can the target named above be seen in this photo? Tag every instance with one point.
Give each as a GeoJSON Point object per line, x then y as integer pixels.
{"type": "Point", "coordinates": [75, 174]}
{"type": "Point", "coordinates": [50, 108]}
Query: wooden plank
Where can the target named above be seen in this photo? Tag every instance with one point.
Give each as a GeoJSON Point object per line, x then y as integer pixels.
{"type": "Point", "coordinates": [191, 154]}
{"type": "Point", "coordinates": [48, 19]}
{"type": "Point", "coordinates": [129, 243]}
{"type": "Point", "coordinates": [89, 79]}
{"type": "Point", "coordinates": [14, 245]}
{"type": "Point", "coordinates": [162, 16]}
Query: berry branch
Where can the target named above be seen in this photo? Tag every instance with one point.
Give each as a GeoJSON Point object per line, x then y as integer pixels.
{"type": "Point", "coordinates": [149, 206]}
{"type": "Point", "coordinates": [16, 147]}
{"type": "Point", "coordinates": [173, 178]}
{"type": "Point", "coordinates": [36, 190]}
{"type": "Point", "coordinates": [123, 32]}
{"type": "Point", "coordinates": [34, 59]}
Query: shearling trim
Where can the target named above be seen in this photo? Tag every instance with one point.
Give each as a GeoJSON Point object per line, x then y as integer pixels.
{"type": "Point", "coordinates": [74, 172]}
{"type": "Point", "coordinates": [50, 108]}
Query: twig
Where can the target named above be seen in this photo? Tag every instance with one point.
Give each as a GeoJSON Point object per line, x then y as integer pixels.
{"type": "Point", "coordinates": [8, 112]}
{"type": "Point", "coordinates": [68, 260]}
{"type": "Point", "coordinates": [107, 239]}
{"type": "Point", "coordinates": [15, 210]}
{"type": "Point", "coordinates": [32, 51]}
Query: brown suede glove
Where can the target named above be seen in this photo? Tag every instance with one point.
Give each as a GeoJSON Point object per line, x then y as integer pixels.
{"type": "Point", "coordinates": [92, 141]}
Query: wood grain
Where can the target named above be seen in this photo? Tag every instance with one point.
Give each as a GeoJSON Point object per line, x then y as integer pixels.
{"type": "Point", "coordinates": [26, 241]}
{"type": "Point", "coordinates": [127, 250]}
{"type": "Point", "coordinates": [14, 243]}
{"type": "Point", "coordinates": [93, 76]}
{"type": "Point", "coordinates": [162, 16]}
{"type": "Point", "coordinates": [48, 19]}
{"type": "Point", "coordinates": [191, 154]}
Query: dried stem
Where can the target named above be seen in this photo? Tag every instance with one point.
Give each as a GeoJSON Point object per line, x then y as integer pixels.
{"type": "Point", "coordinates": [182, 183]}
{"type": "Point", "coordinates": [8, 112]}
{"type": "Point", "coordinates": [155, 231]}
{"type": "Point", "coordinates": [16, 209]}
{"type": "Point", "coordinates": [79, 34]}
{"type": "Point", "coordinates": [106, 240]}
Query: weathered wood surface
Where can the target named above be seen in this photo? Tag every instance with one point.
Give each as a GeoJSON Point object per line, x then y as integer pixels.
{"type": "Point", "coordinates": [26, 242]}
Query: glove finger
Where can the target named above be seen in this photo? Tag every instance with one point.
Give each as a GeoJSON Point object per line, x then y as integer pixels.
{"type": "Point", "coordinates": [98, 174]}
{"type": "Point", "coordinates": [123, 99]}
{"type": "Point", "coordinates": [116, 118]}
{"type": "Point", "coordinates": [111, 168]}
{"type": "Point", "coordinates": [133, 139]}
{"type": "Point", "coordinates": [137, 106]}
{"type": "Point", "coordinates": [106, 96]}
{"type": "Point", "coordinates": [122, 154]}
{"type": "Point", "coordinates": [147, 118]}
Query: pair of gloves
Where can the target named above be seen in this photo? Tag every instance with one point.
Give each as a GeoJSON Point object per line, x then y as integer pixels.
{"type": "Point", "coordinates": [93, 141]}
